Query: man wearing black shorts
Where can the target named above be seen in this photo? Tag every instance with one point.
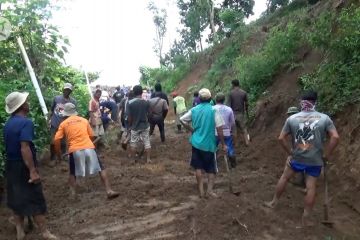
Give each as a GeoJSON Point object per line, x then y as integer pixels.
{"type": "Point", "coordinates": [205, 119]}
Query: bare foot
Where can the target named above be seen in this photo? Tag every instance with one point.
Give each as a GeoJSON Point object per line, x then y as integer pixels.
{"type": "Point", "coordinates": [47, 235]}
{"type": "Point", "coordinates": [270, 204]}
{"type": "Point", "coordinates": [305, 222]}
{"type": "Point", "coordinates": [211, 194]}
{"type": "Point", "coordinates": [111, 195]}
{"type": "Point", "coordinates": [20, 234]}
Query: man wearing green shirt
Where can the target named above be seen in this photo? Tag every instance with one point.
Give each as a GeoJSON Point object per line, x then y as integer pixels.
{"type": "Point", "coordinates": [179, 108]}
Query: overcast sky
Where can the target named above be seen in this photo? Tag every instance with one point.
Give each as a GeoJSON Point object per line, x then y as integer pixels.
{"type": "Point", "coordinates": [115, 37]}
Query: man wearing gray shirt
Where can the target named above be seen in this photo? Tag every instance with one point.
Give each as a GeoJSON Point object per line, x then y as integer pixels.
{"type": "Point", "coordinates": [56, 116]}
{"type": "Point", "coordinates": [308, 130]}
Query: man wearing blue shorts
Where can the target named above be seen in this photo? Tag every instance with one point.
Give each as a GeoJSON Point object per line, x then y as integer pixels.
{"type": "Point", "coordinates": [229, 125]}
{"type": "Point", "coordinates": [308, 130]}
{"type": "Point", "coordinates": [204, 119]}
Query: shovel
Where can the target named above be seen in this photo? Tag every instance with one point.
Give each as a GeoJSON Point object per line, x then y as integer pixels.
{"type": "Point", "coordinates": [237, 193]}
{"type": "Point", "coordinates": [326, 220]}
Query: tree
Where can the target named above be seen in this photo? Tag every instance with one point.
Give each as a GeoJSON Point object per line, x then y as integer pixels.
{"type": "Point", "coordinates": [272, 5]}
{"type": "Point", "coordinates": [159, 19]}
{"type": "Point", "coordinates": [245, 6]}
{"type": "Point", "coordinates": [46, 48]}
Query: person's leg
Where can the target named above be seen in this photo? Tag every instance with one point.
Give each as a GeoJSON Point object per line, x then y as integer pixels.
{"type": "Point", "coordinates": [281, 185]}
{"type": "Point", "coordinates": [309, 199]}
{"type": "Point", "coordinates": [161, 126]}
{"type": "Point", "coordinates": [19, 224]}
{"type": "Point", "coordinates": [200, 183]}
{"type": "Point", "coordinates": [72, 178]}
{"type": "Point", "coordinates": [152, 127]}
{"type": "Point", "coordinates": [134, 140]}
{"type": "Point", "coordinates": [147, 145]}
{"type": "Point", "coordinates": [242, 123]}
{"type": "Point", "coordinates": [210, 188]}
{"type": "Point", "coordinates": [41, 223]}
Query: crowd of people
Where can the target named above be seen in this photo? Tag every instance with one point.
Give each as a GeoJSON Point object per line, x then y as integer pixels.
{"type": "Point", "coordinates": [211, 120]}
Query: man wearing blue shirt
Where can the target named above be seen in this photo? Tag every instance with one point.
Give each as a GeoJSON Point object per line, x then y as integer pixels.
{"type": "Point", "coordinates": [204, 120]}
{"type": "Point", "coordinates": [24, 189]}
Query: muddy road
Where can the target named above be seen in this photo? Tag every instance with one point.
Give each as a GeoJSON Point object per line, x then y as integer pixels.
{"type": "Point", "coordinates": [159, 200]}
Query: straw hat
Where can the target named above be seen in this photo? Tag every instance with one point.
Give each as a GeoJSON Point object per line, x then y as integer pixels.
{"type": "Point", "coordinates": [15, 100]}
{"type": "Point", "coordinates": [69, 110]}
{"type": "Point", "coordinates": [205, 94]}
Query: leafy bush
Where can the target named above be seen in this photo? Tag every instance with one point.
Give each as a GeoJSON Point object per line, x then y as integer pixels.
{"type": "Point", "coordinates": [338, 78]}
{"type": "Point", "coordinates": [255, 72]}
{"type": "Point", "coordinates": [46, 48]}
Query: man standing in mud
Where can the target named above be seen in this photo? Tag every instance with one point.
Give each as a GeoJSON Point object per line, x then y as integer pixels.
{"type": "Point", "coordinates": [138, 111]}
{"type": "Point", "coordinates": [239, 103]}
{"type": "Point", "coordinates": [24, 188]}
{"type": "Point", "coordinates": [308, 130]}
{"type": "Point", "coordinates": [56, 116]}
{"type": "Point", "coordinates": [204, 121]}
{"type": "Point", "coordinates": [179, 108]}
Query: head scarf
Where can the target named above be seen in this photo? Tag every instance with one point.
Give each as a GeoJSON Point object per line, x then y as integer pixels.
{"type": "Point", "coordinates": [307, 106]}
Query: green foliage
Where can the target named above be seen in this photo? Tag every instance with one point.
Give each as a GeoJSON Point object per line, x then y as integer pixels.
{"type": "Point", "coordinates": [255, 72]}
{"type": "Point", "coordinates": [243, 6]}
{"type": "Point", "coordinates": [231, 19]}
{"type": "Point", "coordinates": [46, 48]}
{"type": "Point", "coordinates": [338, 78]}
{"type": "Point", "coordinates": [275, 4]}
{"type": "Point", "coordinates": [168, 77]}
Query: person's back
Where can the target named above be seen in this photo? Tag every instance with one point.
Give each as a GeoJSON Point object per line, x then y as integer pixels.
{"type": "Point", "coordinates": [180, 104]}
{"type": "Point", "coordinates": [78, 132]}
{"type": "Point", "coordinates": [228, 117]}
{"type": "Point", "coordinates": [158, 106]}
{"type": "Point", "coordinates": [203, 123]}
{"type": "Point", "coordinates": [138, 111]}
{"type": "Point", "coordinates": [18, 129]}
{"type": "Point", "coordinates": [237, 100]}
{"type": "Point", "coordinates": [118, 96]}
{"type": "Point", "coordinates": [308, 131]}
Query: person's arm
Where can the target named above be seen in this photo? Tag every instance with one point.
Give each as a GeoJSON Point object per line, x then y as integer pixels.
{"type": "Point", "coordinates": [166, 99]}
{"type": "Point", "coordinates": [165, 109]}
{"type": "Point", "coordinates": [246, 105]}
{"type": "Point", "coordinates": [233, 123]}
{"type": "Point", "coordinates": [27, 136]}
{"type": "Point", "coordinates": [284, 142]}
{"type": "Point", "coordinates": [185, 121]}
{"type": "Point", "coordinates": [57, 141]}
{"type": "Point", "coordinates": [29, 162]}
{"type": "Point", "coordinates": [229, 101]}
{"type": "Point", "coordinates": [219, 123]}
{"type": "Point", "coordinates": [334, 138]}
{"type": "Point", "coordinates": [90, 132]}
{"type": "Point", "coordinates": [174, 103]}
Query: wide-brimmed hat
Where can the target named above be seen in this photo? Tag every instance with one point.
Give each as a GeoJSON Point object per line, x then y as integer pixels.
{"type": "Point", "coordinates": [69, 110]}
{"type": "Point", "coordinates": [68, 86]}
{"type": "Point", "coordinates": [14, 100]}
{"type": "Point", "coordinates": [292, 110]}
{"type": "Point", "coordinates": [205, 94]}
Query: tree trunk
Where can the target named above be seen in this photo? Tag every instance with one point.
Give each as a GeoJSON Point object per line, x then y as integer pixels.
{"type": "Point", "coordinates": [211, 17]}
{"type": "Point", "coordinates": [201, 47]}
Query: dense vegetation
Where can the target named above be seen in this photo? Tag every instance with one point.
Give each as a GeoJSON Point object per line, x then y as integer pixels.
{"type": "Point", "coordinates": [288, 27]}
{"type": "Point", "coordinates": [46, 48]}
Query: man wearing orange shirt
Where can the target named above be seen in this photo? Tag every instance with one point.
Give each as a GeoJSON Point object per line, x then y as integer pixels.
{"type": "Point", "coordinates": [83, 159]}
